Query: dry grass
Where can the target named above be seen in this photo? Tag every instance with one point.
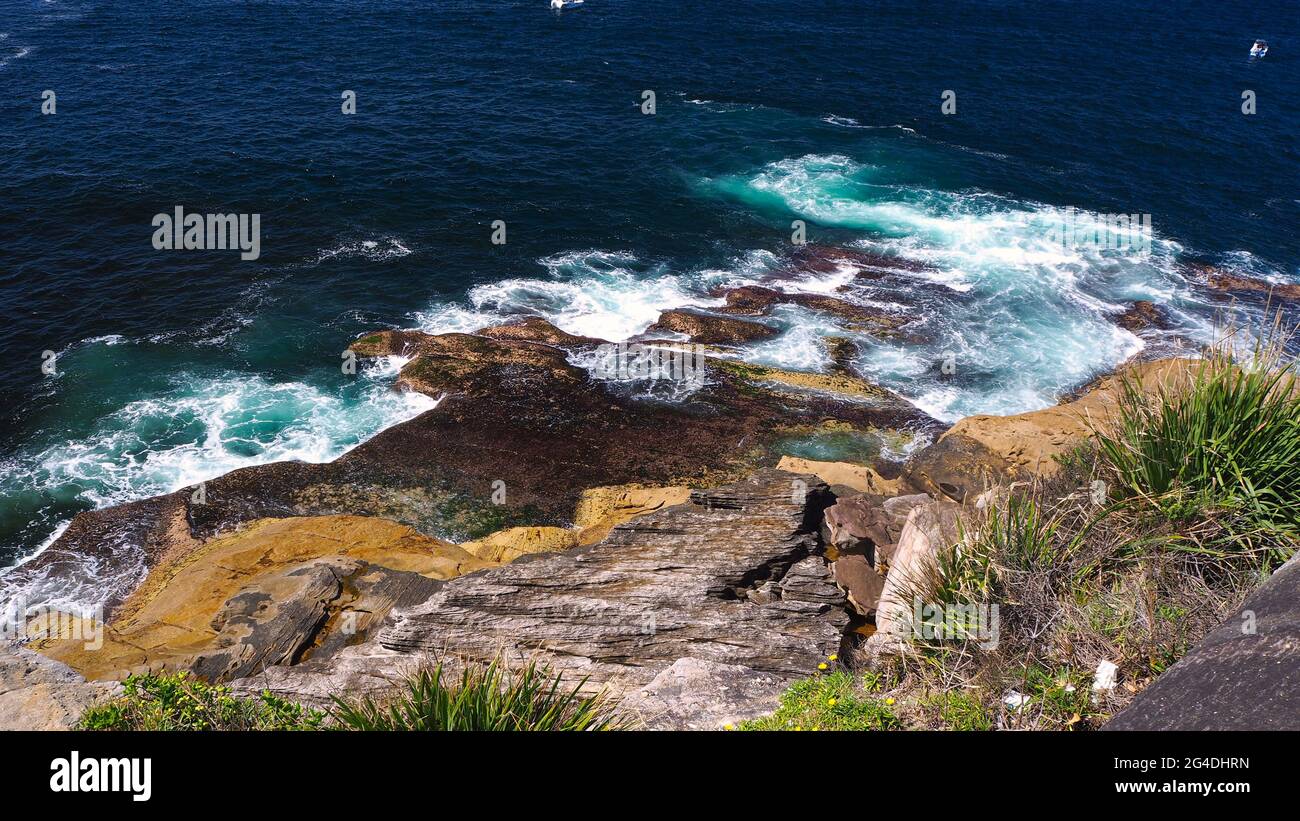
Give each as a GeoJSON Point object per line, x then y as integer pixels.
{"type": "Point", "coordinates": [1076, 583]}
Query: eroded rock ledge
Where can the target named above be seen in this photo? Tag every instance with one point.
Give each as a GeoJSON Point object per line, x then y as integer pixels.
{"type": "Point", "coordinates": [731, 584]}
{"type": "Point", "coordinates": [514, 410]}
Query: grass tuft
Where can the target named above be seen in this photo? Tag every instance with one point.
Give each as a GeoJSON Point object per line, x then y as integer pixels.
{"type": "Point", "coordinates": [492, 698]}
{"type": "Point", "coordinates": [1218, 457]}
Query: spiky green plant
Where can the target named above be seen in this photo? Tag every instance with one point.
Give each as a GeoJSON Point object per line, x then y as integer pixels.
{"type": "Point", "coordinates": [961, 573]}
{"type": "Point", "coordinates": [1019, 537]}
{"type": "Point", "coordinates": [1221, 447]}
{"type": "Point", "coordinates": [491, 697]}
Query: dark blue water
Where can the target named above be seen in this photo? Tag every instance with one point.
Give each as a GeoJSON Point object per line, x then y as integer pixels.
{"type": "Point", "coordinates": [176, 366]}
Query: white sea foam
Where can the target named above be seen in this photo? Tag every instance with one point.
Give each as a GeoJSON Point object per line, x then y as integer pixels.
{"type": "Point", "coordinates": [801, 347]}
{"type": "Point", "coordinates": [18, 54]}
{"type": "Point", "coordinates": [1029, 316]}
{"type": "Point", "coordinates": [604, 294]}
{"type": "Point", "coordinates": [160, 444]}
{"type": "Point", "coordinates": [376, 250]}
{"type": "Point", "coordinates": [200, 430]}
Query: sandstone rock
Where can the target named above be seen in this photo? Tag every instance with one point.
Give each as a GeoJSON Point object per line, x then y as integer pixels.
{"type": "Point", "coordinates": [857, 519]}
{"type": "Point", "coordinates": [37, 693]}
{"type": "Point", "coordinates": [695, 694]}
{"type": "Point", "coordinates": [710, 329]}
{"type": "Point", "coordinates": [670, 585]}
{"type": "Point", "coordinates": [659, 588]}
{"type": "Point", "coordinates": [508, 545]}
{"type": "Point", "coordinates": [869, 517]}
{"type": "Point", "coordinates": [959, 467]}
{"type": "Point", "coordinates": [861, 534]}
{"type": "Point", "coordinates": [266, 594]}
{"type": "Point", "coordinates": [809, 585]}
{"type": "Point", "coordinates": [898, 508]}
{"type": "Point", "coordinates": [282, 617]}
{"type": "Point", "coordinates": [982, 450]}
{"type": "Point", "coordinates": [862, 581]}
{"type": "Point", "coordinates": [930, 527]}
{"type": "Point", "coordinates": [1235, 678]}
{"type": "Point", "coordinates": [857, 477]}
{"type": "Point", "coordinates": [600, 509]}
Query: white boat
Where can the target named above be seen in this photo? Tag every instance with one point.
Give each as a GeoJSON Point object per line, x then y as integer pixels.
{"type": "Point", "coordinates": [564, 4]}
{"type": "Point", "coordinates": [1259, 49]}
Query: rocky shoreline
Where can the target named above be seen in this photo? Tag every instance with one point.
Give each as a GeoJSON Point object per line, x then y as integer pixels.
{"type": "Point", "coordinates": [680, 554]}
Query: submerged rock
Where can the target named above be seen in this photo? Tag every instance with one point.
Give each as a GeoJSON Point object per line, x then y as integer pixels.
{"type": "Point", "coordinates": [710, 329]}
{"type": "Point", "coordinates": [755, 300]}
{"type": "Point", "coordinates": [1142, 316]}
{"type": "Point", "coordinates": [1220, 280]}
{"type": "Point", "coordinates": [865, 264]}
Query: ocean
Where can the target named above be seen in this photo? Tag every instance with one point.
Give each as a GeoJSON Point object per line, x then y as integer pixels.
{"type": "Point", "coordinates": [170, 367]}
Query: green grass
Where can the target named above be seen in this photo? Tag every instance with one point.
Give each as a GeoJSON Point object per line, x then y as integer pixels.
{"type": "Point", "coordinates": [1218, 457]}
{"type": "Point", "coordinates": [1022, 538]}
{"type": "Point", "coordinates": [830, 701]}
{"type": "Point", "coordinates": [960, 710]}
{"type": "Point", "coordinates": [177, 701]}
{"type": "Point", "coordinates": [492, 698]}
